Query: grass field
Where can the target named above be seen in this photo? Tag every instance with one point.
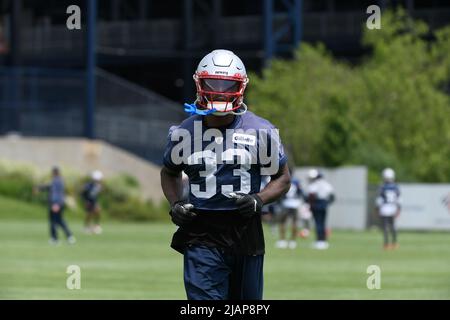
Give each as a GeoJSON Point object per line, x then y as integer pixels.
{"type": "Point", "coordinates": [134, 261]}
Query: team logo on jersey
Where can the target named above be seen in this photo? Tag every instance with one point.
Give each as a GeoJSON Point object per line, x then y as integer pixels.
{"type": "Point", "coordinates": [244, 139]}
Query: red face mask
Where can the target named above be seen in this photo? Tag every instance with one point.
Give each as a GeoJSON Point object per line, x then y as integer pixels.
{"type": "Point", "coordinates": [224, 94]}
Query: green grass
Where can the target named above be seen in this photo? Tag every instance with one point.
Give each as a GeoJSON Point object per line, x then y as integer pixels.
{"type": "Point", "coordinates": [134, 261]}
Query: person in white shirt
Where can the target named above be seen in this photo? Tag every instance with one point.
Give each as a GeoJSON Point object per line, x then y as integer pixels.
{"type": "Point", "coordinates": [320, 196]}
{"type": "Point", "coordinates": [290, 205]}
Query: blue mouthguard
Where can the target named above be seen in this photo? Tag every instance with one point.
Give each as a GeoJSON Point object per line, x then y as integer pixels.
{"type": "Point", "coordinates": [192, 109]}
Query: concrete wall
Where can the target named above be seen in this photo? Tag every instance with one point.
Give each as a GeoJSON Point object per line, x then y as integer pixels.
{"type": "Point", "coordinates": [84, 156]}
{"type": "Point", "coordinates": [424, 206]}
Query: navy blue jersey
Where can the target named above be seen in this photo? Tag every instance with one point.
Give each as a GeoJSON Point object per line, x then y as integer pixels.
{"type": "Point", "coordinates": [221, 161]}
{"type": "Point", "coordinates": [389, 192]}
{"type": "Point", "coordinates": [91, 191]}
{"type": "Point", "coordinates": [388, 200]}
{"type": "Point", "coordinates": [56, 191]}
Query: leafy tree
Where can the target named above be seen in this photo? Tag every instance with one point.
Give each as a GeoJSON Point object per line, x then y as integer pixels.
{"type": "Point", "coordinates": [340, 135]}
{"type": "Point", "coordinates": [393, 109]}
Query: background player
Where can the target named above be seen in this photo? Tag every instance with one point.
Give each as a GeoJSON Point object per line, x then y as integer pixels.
{"type": "Point", "coordinates": [290, 205]}
{"type": "Point", "coordinates": [56, 204]}
{"type": "Point", "coordinates": [388, 207]}
{"type": "Point", "coordinates": [304, 219]}
{"type": "Point", "coordinates": [91, 192]}
{"type": "Point", "coordinates": [320, 196]}
{"type": "Point", "coordinates": [220, 232]}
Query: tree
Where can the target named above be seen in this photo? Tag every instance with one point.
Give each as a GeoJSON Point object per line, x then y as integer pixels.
{"type": "Point", "coordinates": [393, 109]}
{"type": "Point", "coordinates": [340, 134]}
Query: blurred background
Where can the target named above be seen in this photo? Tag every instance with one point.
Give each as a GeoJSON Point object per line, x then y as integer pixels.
{"type": "Point", "coordinates": [347, 99]}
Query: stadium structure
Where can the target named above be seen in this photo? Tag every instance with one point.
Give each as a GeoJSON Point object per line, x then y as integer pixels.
{"type": "Point", "coordinates": [123, 76]}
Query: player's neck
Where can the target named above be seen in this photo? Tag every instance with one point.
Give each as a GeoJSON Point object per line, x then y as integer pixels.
{"type": "Point", "coordinates": [218, 122]}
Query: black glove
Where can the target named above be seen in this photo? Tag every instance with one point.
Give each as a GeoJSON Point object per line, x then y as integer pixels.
{"type": "Point", "coordinates": [180, 213]}
{"type": "Point", "coordinates": [248, 204]}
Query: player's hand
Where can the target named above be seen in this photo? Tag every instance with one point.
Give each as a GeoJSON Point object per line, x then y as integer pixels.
{"type": "Point", "coordinates": [248, 204]}
{"type": "Point", "coordinates": [181, 213]}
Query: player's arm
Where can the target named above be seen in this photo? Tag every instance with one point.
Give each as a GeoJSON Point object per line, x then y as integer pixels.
{"type": "Point", "coordinates": [311, 197]}
{"type": "Point", "coordinates": [300, 192]}
{"type": "Point", "coordinates": [378, 203]}
{"type": "Point", "coordinates": [172, 186]}
{"type": "Point", "coordinates": [332, 198]}
{"type": "Point", "coordinates": [250, 204]}
{"type": "Point", "coordinates": [41, 188]}
{"type": "Point", "coordinates": [278, 186]}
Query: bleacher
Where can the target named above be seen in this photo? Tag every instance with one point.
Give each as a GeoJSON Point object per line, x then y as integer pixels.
{"type": "Point", "coordinates": [51, 103]}
{"type": "Point", "coordinates": [163, 36]}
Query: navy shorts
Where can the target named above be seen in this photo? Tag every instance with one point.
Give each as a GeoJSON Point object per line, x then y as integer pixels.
{"type": "Point", "coordinates": [213, 274]}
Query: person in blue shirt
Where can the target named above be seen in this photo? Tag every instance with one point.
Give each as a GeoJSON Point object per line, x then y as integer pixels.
{"type": "Point", "coordinates": [90, 194]}
{"type": "Point", "coordinates": [56, 203]}
{"type": "Point", "coordinates": [388, 206]}
{"type": "Point", "coordinates": [225, 151]}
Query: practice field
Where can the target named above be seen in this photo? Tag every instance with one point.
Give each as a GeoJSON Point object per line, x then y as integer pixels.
{"type": "Point", "coordinates": [134, 261]}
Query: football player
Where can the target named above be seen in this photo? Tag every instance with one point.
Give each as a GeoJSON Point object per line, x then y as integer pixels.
{"type": "Point", "coordinates": [56, 202]}
{"type": "Point", "coordinates": [90, 194]}
{"type": "Point", "coordinates": [388, 207]}
{"type": "Point", "coordinates": [320, 196]}
{"type": "Point", "coordinates": [290, 204]}
{"type": "Point", "coordinates": [224, 151]}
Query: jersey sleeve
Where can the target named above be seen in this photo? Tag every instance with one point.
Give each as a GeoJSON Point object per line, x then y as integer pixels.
{"type": "Point", "coordinates": [379, 199]}
{"type": "Point", "coordinates": [167, 157]}
{"type": "Point", "coordinates": [85, 191]}
{"type": "Point", "coordinates": [273, 143]}
{"type": "Point", "coordinates": [275, 138]}
{"type": "Point", "coordinates": [282, 157]}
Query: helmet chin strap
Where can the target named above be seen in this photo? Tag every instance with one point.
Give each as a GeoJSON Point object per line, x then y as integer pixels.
{"type": "Point", "coordinates": [239, 112]}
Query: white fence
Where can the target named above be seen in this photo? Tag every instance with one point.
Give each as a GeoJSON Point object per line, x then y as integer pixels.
{"type": "Point", "coordinates": [425, 207]}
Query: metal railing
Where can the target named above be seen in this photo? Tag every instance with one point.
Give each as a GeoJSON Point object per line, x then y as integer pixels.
{"type": "Point", "coordinates": [45, 102]}
{"type": "Point", "coordinates": [163, 35]}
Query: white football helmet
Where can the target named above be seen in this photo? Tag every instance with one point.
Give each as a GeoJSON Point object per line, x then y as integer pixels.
{"type": "Point", "coordinates": [97, 175]}
{"type": "Point", "coordinates": [221, 80]}
{"type": "Point", "coordinates": [313, 174]}
{"type": "Point", "coordinates": [388, 174]}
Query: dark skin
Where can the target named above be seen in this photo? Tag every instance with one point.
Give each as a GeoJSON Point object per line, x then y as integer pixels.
{"type": "Point", "coordinates": [279, 184]}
